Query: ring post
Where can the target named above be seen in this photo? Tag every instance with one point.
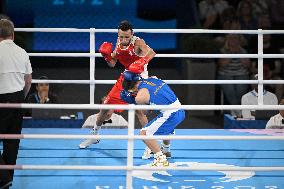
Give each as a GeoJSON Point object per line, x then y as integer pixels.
{"type": "Point", "coordinates": [130, 146]}
{"type": "Point", "coordinates": [260, 67]}
{"type": "Point", "coordinates": [92, 65]}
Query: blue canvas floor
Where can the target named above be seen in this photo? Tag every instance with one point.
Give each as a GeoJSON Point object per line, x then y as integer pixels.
{"type": "Point", "coordinates": [185, 153]}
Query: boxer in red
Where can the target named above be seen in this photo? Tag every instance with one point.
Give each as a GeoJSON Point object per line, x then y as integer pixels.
{"type": "Point", "coordinates": [134, 54]}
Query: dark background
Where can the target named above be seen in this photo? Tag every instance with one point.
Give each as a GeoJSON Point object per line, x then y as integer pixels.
{"type": "Point", "coordinates": [146, 14]}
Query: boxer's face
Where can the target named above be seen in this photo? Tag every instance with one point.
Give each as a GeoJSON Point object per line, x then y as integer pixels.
{"type": "Point", "coordinates": [134, 90]}
{"type": "Point", "coordinates": [124, 37]}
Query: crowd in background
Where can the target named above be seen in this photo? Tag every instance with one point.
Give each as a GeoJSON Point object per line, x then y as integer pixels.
{"type": "Point", "coordinates": [245, 15]}
{"type": "Point", "coordinates": [241, 15]}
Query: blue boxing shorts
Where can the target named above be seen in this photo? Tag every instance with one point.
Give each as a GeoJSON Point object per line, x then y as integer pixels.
{"type": "Point", "coordinates": [165, 122]}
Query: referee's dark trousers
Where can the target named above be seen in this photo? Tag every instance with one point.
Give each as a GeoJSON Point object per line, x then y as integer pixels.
{"type": "Point", "coordinates": [10, 123]}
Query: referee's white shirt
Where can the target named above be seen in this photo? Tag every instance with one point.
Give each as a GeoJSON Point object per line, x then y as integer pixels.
{"type": "Point", "coordinates": [250, 98]}
{"type": "Point", "coordinates": [117, 120]}
{"type": "Point", "coordinates": [275, 122]}
{"type": "Point", "coordinates": [14, 65]}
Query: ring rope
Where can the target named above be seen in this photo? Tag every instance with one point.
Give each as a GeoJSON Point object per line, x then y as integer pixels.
{"type": "Point", "coordinates": [167, 81]}
{"type": "Point", "coordinates": [138, 107]}
{"type": "Point", "coordinates": [138, 137]}
{"type": "Point", "coordinates": [131, 168]}
{"type": "Point", "coordinates": [165, 55]}
{"type": "Point", "coordinates": [259, 31]}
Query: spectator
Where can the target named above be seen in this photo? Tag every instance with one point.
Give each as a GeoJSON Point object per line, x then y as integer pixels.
{"type": "Point", "coordinates": [277, 121]}
{"type": "Point", "coordinates": [226, 19]}
{"type": "Point", "coordinates": [228, 15]}
{"type": "Point", "coordinates": [277, 20]}
{"type": "Point", "coordinates": [210, 11]}
{"type": "Point", "coordinates": [233, 69]}
{"type": "Point", "coordinates": [251, 98]}
{"type": "Point", "coordinates": [272, 67]}
{"type": "Point", "coordinates": [43, 94]}
{"type": "Point", "coordinates": [259, 7]}
{"type": "Point", "coordinates": [247, 21]}
{"type": "Point", "coordinates": [231, 23]}
{"type": "Point", "coordinates": [245, 15]}
{"type": "Point", "coordinates": [277, 14]}
{"type": "Point", "coordinates": [264, 21]}
{"type": "Point", "coordinates": [15, 77]}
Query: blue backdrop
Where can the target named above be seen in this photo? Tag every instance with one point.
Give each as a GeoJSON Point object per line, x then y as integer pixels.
{"type": "Point", "coordinates": [84, 14]}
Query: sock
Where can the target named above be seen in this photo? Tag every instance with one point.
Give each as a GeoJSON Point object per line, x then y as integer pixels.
{"type": "Point", "coordinates": [165, 148]}
{"type": "Point", "coordinates": [96, 129]}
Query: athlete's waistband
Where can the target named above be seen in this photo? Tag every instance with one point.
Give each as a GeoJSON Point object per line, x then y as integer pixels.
{"type": "Point", "coordinates": [176, 103]}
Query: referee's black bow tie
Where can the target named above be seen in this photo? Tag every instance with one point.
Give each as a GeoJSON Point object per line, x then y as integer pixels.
{"type": "Point", "coordinates": [107, 121]}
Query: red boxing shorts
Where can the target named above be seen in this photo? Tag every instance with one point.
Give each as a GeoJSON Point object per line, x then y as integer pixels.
{"type": "Point", "coordinates": [113, 96]}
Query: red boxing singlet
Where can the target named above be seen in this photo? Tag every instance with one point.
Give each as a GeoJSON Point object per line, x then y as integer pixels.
{"type": "Point", "coordinates": [127, 56]}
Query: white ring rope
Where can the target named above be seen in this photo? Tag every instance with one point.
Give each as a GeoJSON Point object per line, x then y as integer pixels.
{"type": "Point", "coordinates": [167, 81]}
{"type": "Point", "coordinates": [181, 168]}
{"type": "Point", "coordinates": [165, 55]}
{"type": "Point", "coordinates": [73, 30]}
{"type": "Point", "coordinates": [138, 107]}
{"type": "Point", "coordinates": [202, 31]}
{"type": "Point", "coordinates": [138, 137]}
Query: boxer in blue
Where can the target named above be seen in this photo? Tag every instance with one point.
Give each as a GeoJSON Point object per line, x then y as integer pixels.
{"type": "Point", "coordinates": [153, 91]}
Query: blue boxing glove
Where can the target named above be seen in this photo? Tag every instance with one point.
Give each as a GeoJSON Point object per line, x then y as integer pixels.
{"type": "Point", "coordinates": [128, 97]}
{"type": "Point", "coordinates": [129, 76]}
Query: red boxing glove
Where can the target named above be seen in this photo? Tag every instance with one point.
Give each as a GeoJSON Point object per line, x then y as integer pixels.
{"type": "Point", "coordinates": [137, 67]}
{"type": "Point", "coordinates": [106, 50]}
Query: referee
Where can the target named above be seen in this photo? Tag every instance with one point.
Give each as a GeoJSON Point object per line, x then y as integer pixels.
{"type": "Point", "coordinates": [15, 82]}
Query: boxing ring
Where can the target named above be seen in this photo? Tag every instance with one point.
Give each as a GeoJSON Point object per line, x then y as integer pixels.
{"type": "Point", "coordinates": [50, 158]}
